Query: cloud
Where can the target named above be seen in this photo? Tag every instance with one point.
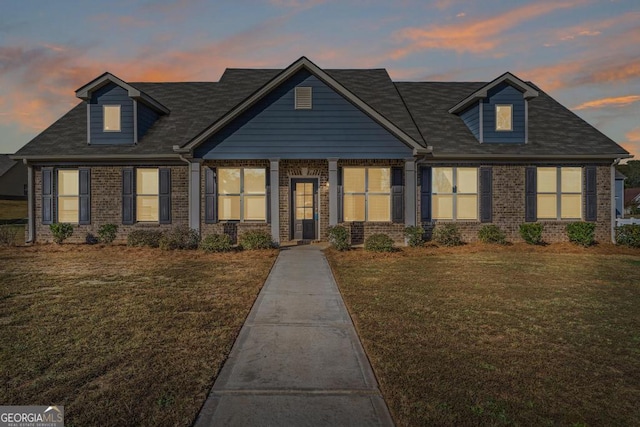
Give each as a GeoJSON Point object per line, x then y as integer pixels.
{"type": "Point", "coordinates": [461, 15]}
{"type": "Point", "coordinates": [475, 36]}
{"type": "Point", "coordinates": [618, 101]}
{"type": "Point", "coordinates": [632, 143]}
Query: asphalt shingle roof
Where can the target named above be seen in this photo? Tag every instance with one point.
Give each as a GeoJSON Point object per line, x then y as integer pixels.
{"type": "Point", "coordinates": [5, 163]}
{"type": "Point", "coordinates": [420, 109]}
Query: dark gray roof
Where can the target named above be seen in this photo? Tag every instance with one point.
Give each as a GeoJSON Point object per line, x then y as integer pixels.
{"type": "Point", "coordinates": [553, 129]}
{"type": "Point", "coordinates": [6, 163]}
{"type": "Point", "coordinates": [420, 109]}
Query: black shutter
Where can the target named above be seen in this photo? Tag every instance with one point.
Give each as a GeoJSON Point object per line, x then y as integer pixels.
{"type": "Point", "coordinates": [425, 194]}
{"type": "Point", "coordinates": [210, 196]}
{"type": "Point", "coordinates": [128, 196]}
{"type": "Point", "coordinates": [268, 196]}
{"type": "Point", "coordinates": [165, 195]}
{"type": "Point", "coordinates": [591, 193]}
{"type": "Point", "coordinates": [84, 192]}
{"type": "Point", "coordinates": [486, 194]}
{"type": "Point", "coordinates": [530, 194]}
{"type": "Point", "coordinates": [47, 195]}
{"type": "Point", "coordinates": [397, 195]}
{"type": "Point", "coordinates": [340, 197]}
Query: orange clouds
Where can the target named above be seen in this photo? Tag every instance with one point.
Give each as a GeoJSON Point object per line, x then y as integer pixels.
{"type": "Point", "coordinates": [632, 144]}
{"type": "Point", "coordinates": [473, 36]}
{"type": "Point", "coordinates": [618, 101]}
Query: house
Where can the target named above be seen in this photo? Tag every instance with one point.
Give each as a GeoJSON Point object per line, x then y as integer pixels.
{"type": "Point", "coordinates": [296, 150]}
{"type": "Point", "coordinates": [13, 178]}
{"type": "Point", "coordinates": [631, 201]}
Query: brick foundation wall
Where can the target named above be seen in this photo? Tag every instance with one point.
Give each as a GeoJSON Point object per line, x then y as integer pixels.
{"type": "Point", "coordinates": [106, 204]}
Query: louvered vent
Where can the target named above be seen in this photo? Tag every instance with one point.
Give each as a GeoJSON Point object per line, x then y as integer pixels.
{"type": "Point", "coordinates": [303, 98]}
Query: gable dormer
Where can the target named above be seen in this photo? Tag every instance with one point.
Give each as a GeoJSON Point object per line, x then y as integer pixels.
{"type": "Point", "coordinates": [498, 111]}
{"type": "Point", "coordinates": [117, 112]}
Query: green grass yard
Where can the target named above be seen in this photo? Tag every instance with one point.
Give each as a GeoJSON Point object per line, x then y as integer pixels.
{"type": "Point", "coordinates": [485, 335]}
{"type": "Point", "coordinates": [120, 336]}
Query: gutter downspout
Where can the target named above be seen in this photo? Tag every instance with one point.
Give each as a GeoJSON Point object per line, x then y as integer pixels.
{"type": "Point", "coordinates": [30, 204]}
{"type": "Point", "coordinates": [613, 200]}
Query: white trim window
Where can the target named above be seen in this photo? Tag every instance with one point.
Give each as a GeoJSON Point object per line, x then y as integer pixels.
{"type": "Point", "coordinates": [454, 193]}
{"type": "Point", "coordinates": [367, 194]}
{"type": "Point", "coordinates": [68, 196]}
{"type": "Point", "coordinates": [147, 195]}
{"type": "Point", "coordinates": [504, 117]}
{"type": "Point", "coordinates": [559, 193]}
{"type": "Point", "coordinates": [242, 194]}
{"type": "Point", "coordinates": [111, 118]}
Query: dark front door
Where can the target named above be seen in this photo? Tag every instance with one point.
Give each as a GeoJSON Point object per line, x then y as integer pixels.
{"type": "Point", "coordinates": [304, 209]}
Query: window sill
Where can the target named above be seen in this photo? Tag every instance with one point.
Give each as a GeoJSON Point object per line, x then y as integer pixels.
{"type": "Point", "coordinates": [147, 224]}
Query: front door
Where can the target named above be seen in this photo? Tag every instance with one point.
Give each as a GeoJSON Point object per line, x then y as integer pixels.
{"type": "Point", "coordinates": [304, 208]}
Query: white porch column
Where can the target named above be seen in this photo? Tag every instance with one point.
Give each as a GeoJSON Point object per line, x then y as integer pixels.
{"type": "Point", "coordinates": [410, 192]}
{"type": "Point", "coordinates": [194, 195]}
{"type": "Point", "coordinates": [333, 191]}
{"type": "Point", "coordinates": [274, 179]}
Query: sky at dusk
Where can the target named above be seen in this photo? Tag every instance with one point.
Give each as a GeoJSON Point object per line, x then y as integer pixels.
{"type": "Point", "coordinates": [586, 54]}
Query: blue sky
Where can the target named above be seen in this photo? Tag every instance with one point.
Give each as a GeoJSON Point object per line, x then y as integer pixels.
{"type": "Point", "coordinates": [584, 53]}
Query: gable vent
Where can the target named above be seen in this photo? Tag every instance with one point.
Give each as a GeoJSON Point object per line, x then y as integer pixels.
{"type": "Point", "coordinates": [303, 98]}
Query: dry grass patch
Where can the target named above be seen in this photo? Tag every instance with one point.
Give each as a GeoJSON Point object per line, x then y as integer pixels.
{"type": "Point", "coordinates": [13, 209]}
{"type": "Point", "coordinates": [134, 334]}
{"type": "Point", "coordinates": [485, 335]}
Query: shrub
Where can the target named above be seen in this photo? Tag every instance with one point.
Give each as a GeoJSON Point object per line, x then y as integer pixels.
{"type": "Point", "coordinates": [491, 233]}
{"type": "Point", "coordinates": [61, 232]}
{"type": "Point", "coordinates": [628, 235]}
{"type": "Point", "coordinates": [256, 239]}
{"type": "Point", "coordinates": [531, 232]}
{"type": "Point", "coordinates": [180, 237]}
{"type": "Point", "coordinates": [582, 233]}
{"type": "Point", "coordinates": [216, 243]}
{"type": "Point", "coordinates": [447, 235]}
{"type": "Point", "coordinates": [378, 243]}
{"type": "Point", "coordinates": [150, 238]}
{"type": "Point", "coordinates": [8, 235]}
{"type": "Point", "coordinates": [414, 235]}
{"type": "Point", "coordinates": [339, 237]}
{"type": "Point", "coordinates": [91, 239]}
{"type": "Point", "coordinates": [107, 233]}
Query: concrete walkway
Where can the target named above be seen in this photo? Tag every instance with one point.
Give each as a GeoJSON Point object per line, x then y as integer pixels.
{"type": "Point", "coordinates": [297, 360]}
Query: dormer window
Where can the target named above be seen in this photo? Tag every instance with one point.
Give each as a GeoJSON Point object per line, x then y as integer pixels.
{"type": "Point", "coordinates": [303, 98]}
{"type": "Point", "coordinates": [111, 118]}
{"type": "Point", "coordinates": [504, 117]}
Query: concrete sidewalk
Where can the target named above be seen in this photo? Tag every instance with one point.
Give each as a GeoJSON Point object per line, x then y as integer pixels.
{"type": "Point", "coordinates": [297, 360]}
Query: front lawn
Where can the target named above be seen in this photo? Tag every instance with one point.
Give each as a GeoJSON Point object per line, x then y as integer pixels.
{"type": "Point", "coordinates": [13, 209]}
{"type": "Point", "coordinates": [120, 336]}
{"type": "Point", "coordinates": [485, 335]}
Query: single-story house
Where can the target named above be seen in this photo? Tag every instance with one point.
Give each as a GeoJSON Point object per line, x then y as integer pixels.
{"type": "Point", "coordinates": [13, 178]}
{"type": "Point", "coordinates": [294, 151]}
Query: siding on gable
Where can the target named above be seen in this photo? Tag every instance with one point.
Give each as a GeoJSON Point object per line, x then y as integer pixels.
{"type": "Point", "coordinates": [273, 128]}
{"type": "Point", "coordinates": [111, 94]}
{"type": "Point", "coordinates": [146, 118]}
{"type": "Point", "coordinates": [503, 94]}
{"type": "Point", "coordinates": [471, 118]}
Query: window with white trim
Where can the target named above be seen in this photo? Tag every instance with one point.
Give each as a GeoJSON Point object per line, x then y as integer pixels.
{"type": "Point", "coordinates": [68, 196]}
{"type": "Point", "coordinates": [111, 118]}
{"type": "Point", "coordinates": [504, 117]}
{"type": "Point", "coordinates": [147, 195]}
{"type": "Point", "coordinates": [242, 194]}
{"type": "Point", "coordinates": [367, 194]}
{"type": "Point", "coordinates": [454, 193]}
{"type": "Point", "coordinates": [559, 193]}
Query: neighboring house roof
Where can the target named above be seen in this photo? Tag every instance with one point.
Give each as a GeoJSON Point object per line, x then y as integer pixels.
{"type": "Point", "coordinates": [6, 163]}
{"type": "Point", "coordinates": [417, 112]}
{"type": "Point", "coordinates": [631, 195]}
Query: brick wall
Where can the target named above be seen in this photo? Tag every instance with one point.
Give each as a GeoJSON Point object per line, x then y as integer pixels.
{"type": "Point", "coordinates": [106, 204]}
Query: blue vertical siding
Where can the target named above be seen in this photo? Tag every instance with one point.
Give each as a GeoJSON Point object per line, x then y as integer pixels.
{"type": "Point", "coordinates": [111, 94]}
{"type": "Point", "coordinates": [332, 128]}
{"type": "Point", "coordinates": [146, 119]}
{"type": "Point", "coordinates": [471, 118]}
{"type": "Point", "coordinates": [503, 94]}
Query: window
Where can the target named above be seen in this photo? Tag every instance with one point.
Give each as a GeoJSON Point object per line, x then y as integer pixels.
{"type": "Point", "coordinates": [367, 194]}
{"type": "Point", "coordinates": [559, 193]}
{"type": "Point", "coordinates": [504, 117]}
{"type": "Point", "coordinates": [68, 196]}
{"type": "Point", "coordinates": [455, 193]}
{"type": "Point", "coordinates": [147, 195]}
{"type": "Point", "coordinates": [111, 118]}
{"type": "Point", "coordinates": [303, 98]}
{"type": "Point", "coordinates": [242, 194]}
